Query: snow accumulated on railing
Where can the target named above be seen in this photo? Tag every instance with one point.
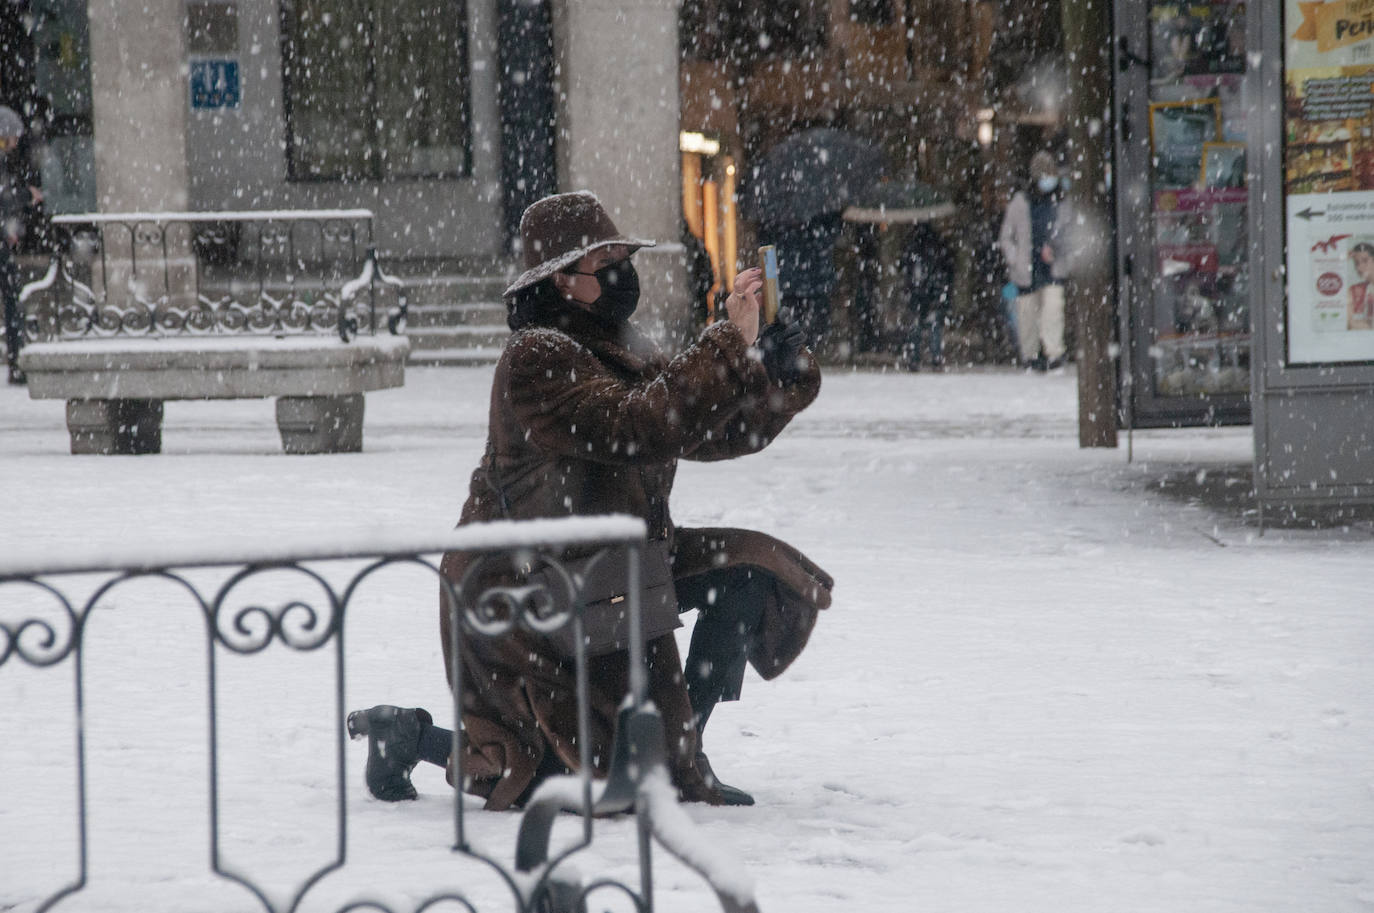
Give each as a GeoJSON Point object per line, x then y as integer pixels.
{"type": "Point", "coordinates": [289, 602]}
{"type": "Point", "coordinates": [155, 274]}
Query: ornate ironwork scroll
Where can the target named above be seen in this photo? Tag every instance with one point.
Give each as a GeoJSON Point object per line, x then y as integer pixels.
{"type": "Point", "coordinates": [296, 600]}
{"type": "Point", "coordinates": [275, 273]}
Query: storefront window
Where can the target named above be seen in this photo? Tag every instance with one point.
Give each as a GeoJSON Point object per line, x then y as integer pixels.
{"type": "Point", "coordinates": [1200, 319]}
{"type": "Point", "coordinates": [375, 90]}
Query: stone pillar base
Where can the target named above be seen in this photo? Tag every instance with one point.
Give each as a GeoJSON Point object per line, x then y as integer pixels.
{"type": "Point", "coordinates": [321, 424]}
{"type": "Point", "coordinates": [115, 425]}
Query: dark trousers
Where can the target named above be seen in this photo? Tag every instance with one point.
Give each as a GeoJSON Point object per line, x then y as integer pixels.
{"type": "Point", "coordinates": [927, 329]}
{"type": "Point", "coordinates": [9, 291]}
{"type": "Point", "coordinates": [729, 604]}
{"type": "Point", "coordinates": [813, 313]}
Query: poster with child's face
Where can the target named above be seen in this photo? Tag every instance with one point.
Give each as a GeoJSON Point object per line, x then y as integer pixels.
{"type": "Point", "coordinates": [1331, 285]}
{"type": "Point", "coordinates": [1359, 305]}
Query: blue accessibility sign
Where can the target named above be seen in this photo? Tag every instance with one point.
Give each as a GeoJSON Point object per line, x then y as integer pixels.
{"type": "Point", "coordinates": [215, 84]}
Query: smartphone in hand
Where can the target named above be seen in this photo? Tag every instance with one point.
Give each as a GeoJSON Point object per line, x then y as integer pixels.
{"type": "Point", "coordinates": [768, 263]}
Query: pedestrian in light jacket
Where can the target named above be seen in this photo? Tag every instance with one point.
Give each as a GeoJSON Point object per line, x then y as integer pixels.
{"type": "Point", "coordinates": [1031, 243]}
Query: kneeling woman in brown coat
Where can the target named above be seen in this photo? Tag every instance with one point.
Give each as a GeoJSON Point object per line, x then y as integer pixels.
{"type": "Point", "coordinates": [587, 417]}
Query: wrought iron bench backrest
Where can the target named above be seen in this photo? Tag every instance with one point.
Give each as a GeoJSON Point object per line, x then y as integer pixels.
{"type": "Point", "coordinates": [280, 272]}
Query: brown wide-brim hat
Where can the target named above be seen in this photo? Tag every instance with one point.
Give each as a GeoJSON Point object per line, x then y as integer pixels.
{"type": "Point", "coordinates": [559, 230]}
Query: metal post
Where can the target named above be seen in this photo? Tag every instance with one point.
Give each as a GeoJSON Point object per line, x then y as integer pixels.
{"type": "Point", "coordinates": [638, 683]}
{"type": "Point", "coordinates": [455, 620]}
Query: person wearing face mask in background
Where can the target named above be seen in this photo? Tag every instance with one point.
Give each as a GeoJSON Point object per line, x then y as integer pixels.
{"type": "Point", "coordinates": [1030, 240]}
{"type": "Point", "coordinates": [589, 417]}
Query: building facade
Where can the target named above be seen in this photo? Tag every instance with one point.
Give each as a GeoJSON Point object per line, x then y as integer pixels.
{"type": "Point", "coordinates": [443, 116]}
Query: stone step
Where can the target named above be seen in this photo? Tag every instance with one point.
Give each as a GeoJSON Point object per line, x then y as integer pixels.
{"type": "Point", "coordinates": [454, 289]}
{"type": "Point", "coordinates": [454, 312]}
{"type": "Point", "coordinates": [476, 355]}
{"type": "Point", "coordinates": [480, 336]}
{"type": "Point", "coordinates": [504, 268]}
{"type": "Point", "coordinates": [449, 314]}
{"type": "Point", "coordinates": [437, 281]}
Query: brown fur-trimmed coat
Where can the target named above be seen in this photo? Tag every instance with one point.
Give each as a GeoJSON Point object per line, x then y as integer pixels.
{"type": "Point", "coordinates": [591, 419]}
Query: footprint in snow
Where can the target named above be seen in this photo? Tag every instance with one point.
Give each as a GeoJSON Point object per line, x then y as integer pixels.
{"type": "Point", "coordinates": [1335, 719]}
{"type": "Point", "coordinates": [1144, 837]}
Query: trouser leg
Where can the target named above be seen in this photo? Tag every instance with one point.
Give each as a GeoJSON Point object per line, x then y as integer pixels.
{"type": "Point", "coordinates": [813, 314]}
{"type": "Point", "coordinates": [1009, 317]}
{"type": "Point", "coordinates": [1052, 321]}
{"type": "Point", "coordinates": [11, 334]}
{"type": "Point", "coordinates": [9, 291]}
{"type": "Point", "coordinates": [914, 339]}
{"type": "Point", "coordinates": [729, 603]}
{"type": "Point", "coordinates": [436, 743]}
{"type": "Point", "coordinates": [1028, 324]}
{"type": "Point", "coordinates": [820, 321]}
{"type": "Point", "coordinates": [937, 337]}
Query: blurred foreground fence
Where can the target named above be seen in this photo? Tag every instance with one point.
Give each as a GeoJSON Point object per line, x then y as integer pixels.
{"type": "Point", "coordinates": [295, 599]}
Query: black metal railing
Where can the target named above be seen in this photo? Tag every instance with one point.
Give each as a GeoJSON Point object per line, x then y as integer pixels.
{"type": "Point", "coordinates": [281, 272]}
{"type": "Point", "coordinates": [300, 596]}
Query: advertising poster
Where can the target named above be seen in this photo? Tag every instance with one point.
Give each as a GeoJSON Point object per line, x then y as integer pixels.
{"type": "Point", "coordinates": [1329, 180]}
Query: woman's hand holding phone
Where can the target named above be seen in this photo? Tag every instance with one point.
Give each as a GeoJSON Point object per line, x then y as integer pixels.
{"type": "Point", "coordinates": [742, 306]}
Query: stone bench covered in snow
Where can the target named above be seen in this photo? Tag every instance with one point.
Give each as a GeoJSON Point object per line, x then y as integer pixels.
{"type": "Point", "coordinates": [115, 387]}
{"type": "Point", "coordinates": [140, 308]}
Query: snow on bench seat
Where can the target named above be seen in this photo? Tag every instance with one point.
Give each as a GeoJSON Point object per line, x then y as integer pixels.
{"type": "Point", "coordinates": [115, 387]}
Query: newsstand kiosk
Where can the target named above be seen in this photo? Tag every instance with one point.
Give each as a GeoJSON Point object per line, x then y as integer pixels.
{"type": "Point", "coordinates": [1245, 200]}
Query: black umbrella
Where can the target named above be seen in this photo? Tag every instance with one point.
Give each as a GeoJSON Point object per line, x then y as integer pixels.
{"type": "Point", "coordinates": [816, 171]}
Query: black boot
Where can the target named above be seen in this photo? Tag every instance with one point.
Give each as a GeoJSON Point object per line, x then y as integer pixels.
{"type": "Point", "coordinates": [731, 794]}
{"type": "Point", "coordinates": [393, 747]}
{"type": "Point", "coordinates": [730, 603]}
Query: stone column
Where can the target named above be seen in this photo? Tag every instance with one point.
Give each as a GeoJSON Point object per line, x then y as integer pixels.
{"type": "Point", "coordinates": [139, 101]}
{"type": "Point", "coordinates": [618, 122]}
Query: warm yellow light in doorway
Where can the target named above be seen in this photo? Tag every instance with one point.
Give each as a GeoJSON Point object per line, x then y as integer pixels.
{"type": "Point", "coordinates": [699, 143]}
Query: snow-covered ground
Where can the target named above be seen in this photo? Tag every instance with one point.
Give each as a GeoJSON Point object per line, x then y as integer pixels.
{"type": "Point", "coordinates": [1051, 680]}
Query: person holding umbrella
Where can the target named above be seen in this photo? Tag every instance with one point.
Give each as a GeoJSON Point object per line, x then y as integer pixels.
{"type": "Point", "coordinates": [928, 262]}
{"type": "Point", "coordinates": [799, 190]}
{"type": "Point", "coordinates": [806, 270]}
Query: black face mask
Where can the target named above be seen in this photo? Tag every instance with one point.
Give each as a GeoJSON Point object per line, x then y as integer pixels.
{"type": "Point", "coordinates": [619, 291]}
